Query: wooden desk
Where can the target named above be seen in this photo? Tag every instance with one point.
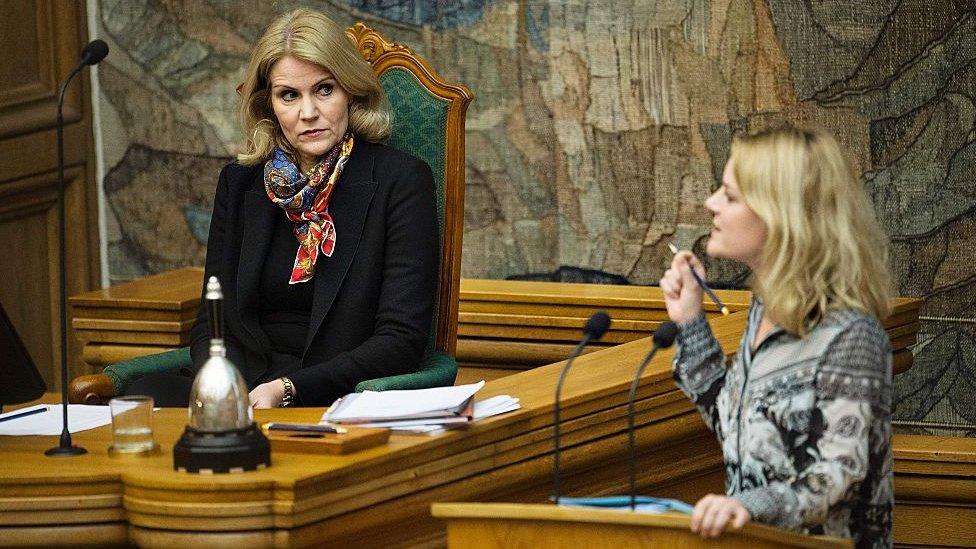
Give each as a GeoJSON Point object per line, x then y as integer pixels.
{"type": "Point", "coordinates": [525, 324]}
{"type": "Point", "coordinates": [137, 318]}
{"type": "Point", "coordinates": [507, 325]}
{"type": "Point", "coordinates": [381, 496]}
{"type": "Point", "coordinates": [504, 326]}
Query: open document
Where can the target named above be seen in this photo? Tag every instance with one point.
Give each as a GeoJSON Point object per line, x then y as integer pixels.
{"type": "Point", "coordinates": [47, 419]}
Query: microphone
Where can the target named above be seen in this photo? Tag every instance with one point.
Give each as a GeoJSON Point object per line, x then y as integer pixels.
{"type": "Point", "coordinates": [92, 53]}
{"type": "Point", "coordinates": [593, 330]}
{"type": "Point", "coordinates": [663, 338]}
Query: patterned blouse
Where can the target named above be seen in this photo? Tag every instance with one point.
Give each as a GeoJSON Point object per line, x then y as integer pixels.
{"type": "Point", "coordinates": [804, 423]}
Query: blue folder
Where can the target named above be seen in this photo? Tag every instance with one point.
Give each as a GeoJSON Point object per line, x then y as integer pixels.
{"type": "Point", "coordinates": [644, 504]}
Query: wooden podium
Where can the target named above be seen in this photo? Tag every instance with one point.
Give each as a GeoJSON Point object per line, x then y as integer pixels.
{"type": "Point", "coordinates": [490, 525]}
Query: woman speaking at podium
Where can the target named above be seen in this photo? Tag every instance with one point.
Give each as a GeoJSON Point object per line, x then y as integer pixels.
{"type": "Point", "coordinates": [803, 413]}
{"type": "Point", "coordinates": [325, 241]}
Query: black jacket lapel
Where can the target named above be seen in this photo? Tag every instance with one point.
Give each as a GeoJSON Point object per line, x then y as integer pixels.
{"type": "Point", "coordinates": [349, 206]}
{"type": "Point", "coordinates": [258, 221]}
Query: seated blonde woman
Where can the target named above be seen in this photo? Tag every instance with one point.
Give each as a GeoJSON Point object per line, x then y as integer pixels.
{"type": "Point", "coordinates": [325, 240]}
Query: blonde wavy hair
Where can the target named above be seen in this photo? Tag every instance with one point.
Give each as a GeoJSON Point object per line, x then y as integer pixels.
{"type": "Point", "coordinates": [310, 36]}
{"type": "Point", "coordinates": [824, 248]}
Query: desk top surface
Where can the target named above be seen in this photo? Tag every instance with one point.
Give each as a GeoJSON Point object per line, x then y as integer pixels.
{"type": "Point", "coordinates": [412, 471]}
{"type": "Point", "coordinates": [593, 404]}
{"type": "Point", "coordinates": [595, 378]}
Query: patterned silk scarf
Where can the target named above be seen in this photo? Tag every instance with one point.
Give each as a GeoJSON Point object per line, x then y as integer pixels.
{"type": "Point", "coordinates": [305, 199]}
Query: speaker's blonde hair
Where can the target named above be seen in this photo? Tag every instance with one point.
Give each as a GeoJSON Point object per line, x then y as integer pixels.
{"type": "Point", "coordinates": [824, 248]}
{"type": "Point", "coordinates": [312, 37]}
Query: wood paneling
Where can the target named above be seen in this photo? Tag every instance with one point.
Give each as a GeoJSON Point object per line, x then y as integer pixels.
{"type": "Point", "coordinates": [935, 491]}
{"type": "Point", "coordinates": [22, 23]}
{"type": "Point", "coordinates": [42, 40]}
{"type": "Point", "coordinates": [29, 291]}
{"type": "Point", "coordinates": [26, 282]}
{"type": "Point", "coordinates": [36, 153]}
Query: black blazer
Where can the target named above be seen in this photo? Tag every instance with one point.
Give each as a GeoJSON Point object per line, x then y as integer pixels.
{"type": "Point", "coordinates": [374, 298]}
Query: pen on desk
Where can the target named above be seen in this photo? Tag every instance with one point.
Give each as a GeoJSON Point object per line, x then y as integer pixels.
{"type": "Point", "coordinates": [304, 427]}
{"type": "Point", "coordinates": [698, 278]}
{"type": "Point", "coordinates": [23, 414]}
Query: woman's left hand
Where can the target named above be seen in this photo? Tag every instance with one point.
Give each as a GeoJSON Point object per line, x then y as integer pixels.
{"type": "Point", "coordinates": [267, 395]}
{"type": "Point", "coordinates": [713, 512]}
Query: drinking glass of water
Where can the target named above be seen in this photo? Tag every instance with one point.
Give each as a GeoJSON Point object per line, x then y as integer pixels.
{"type": "Point", "coordinates": [132, 425]}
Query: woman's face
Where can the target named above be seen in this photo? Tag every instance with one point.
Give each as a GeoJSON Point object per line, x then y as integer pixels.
{"type": "Point", "coordinates": [737, 232]}
{"type": "Point", "coordinates": [311, 108]}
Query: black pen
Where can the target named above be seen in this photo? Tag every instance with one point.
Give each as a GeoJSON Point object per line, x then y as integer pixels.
{"type": "Point", "coordinates": [303, 427]}
{"type": "Point", "coordinates": [718, 302]}
{"type": "Point", "coordinates": [23, 414]}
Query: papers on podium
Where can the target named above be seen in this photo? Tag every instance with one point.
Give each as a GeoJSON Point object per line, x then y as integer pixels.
{"type": "Point", "coordinates": [420, 410]}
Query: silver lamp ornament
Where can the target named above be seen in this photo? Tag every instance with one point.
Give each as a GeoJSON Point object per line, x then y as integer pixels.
{"type": "Point", "coordinates": [221, 436]}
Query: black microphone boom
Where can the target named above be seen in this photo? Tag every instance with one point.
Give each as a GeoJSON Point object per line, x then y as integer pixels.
{"type": "Point", "coordinates": [92, 53]}
{"type": "Point", "coordinates": [594, 329]}
{"type": "Point", "coordinates": [663, 338]}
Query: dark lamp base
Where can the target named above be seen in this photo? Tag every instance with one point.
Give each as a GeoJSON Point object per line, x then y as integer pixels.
{"type": "Point", "coordinates": [226, 452]}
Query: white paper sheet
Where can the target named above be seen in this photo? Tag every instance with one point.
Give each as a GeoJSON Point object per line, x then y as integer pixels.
{"type": "Point", "coordinates": [404, 404]}
{"type": "Point", "coordinates": [495, 405]}
{"type": "Point", "coordinates": [51, 421]}
{"type": "Point", "coordinates": [419, 430]}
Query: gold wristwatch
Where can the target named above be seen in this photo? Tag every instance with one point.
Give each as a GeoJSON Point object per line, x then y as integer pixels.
{"type": "Point", "coordinates": [289, 398]}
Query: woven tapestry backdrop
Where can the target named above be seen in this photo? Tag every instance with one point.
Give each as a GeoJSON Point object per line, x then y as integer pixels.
{"type": "Point", "coordinates": [598, 129]}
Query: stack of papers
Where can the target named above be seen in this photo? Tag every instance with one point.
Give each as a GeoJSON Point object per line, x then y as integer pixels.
{"type": "Point", "coordinates": [421, 410]}
{"type": "Point", "coordinates": [495, 405]}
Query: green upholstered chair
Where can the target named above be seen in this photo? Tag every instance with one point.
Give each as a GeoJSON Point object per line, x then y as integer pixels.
{"type": "Point", "coordinates": [438, 369]}
{"type": "Point", "coordinates": [428, 122]}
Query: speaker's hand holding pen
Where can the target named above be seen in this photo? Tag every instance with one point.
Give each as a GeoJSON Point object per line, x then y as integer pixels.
{"type": "Point", "coordinates": [682, 293]}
